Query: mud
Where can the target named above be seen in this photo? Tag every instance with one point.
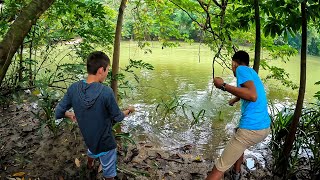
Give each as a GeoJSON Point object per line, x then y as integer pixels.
{"type": "Point", "coordinates": [28, 150]}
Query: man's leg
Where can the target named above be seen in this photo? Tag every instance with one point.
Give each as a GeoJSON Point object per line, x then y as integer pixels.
{"type": "Point", "coordinates": [237, 165]}
{"type": "Point", "coordinates": [233, 152]}
{"type": "Point", "coordinates": [215, 174]}
{"type": "Point", "coordinates": [230, 155]}
{"type": "Point", "coordinates": [250, 138]}
{"type": "Point", "coordinates": [236, 171]}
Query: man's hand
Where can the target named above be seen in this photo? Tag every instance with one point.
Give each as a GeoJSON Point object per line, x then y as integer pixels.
{"type": "Point", "coordinates": [218, 82]}
{"type": "Point", "coordinates": [233, 101]}
{"type": "Point", "coordinates": [71, 116]}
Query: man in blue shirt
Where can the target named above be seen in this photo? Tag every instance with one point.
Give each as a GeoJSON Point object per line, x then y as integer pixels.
{"type": "Point", "coordinates": [255, 122]}
{"type": "Point", "coordinates": [95, 110]}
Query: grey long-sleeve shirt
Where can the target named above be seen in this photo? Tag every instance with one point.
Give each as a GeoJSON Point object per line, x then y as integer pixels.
{"type": "Point", "coordinates": [95, 108]}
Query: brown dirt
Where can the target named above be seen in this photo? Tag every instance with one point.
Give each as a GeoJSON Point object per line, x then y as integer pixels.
{"type": "Point", "coordinates": [35, 153]}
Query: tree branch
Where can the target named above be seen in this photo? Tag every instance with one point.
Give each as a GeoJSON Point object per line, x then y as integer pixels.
{"type": "Point", "coordinates": [217, 4]}
{"type": "Point", "coordinates": [194, 20]}
{"type": "Point", "coordinates": [18, 31]}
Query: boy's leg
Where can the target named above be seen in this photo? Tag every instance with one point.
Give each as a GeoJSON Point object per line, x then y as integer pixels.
{"type": "Point", "coordinates": [90, 163]}
{"type": "Point", "coordinates": [91, 158]}
{"type": "Point", "coordinates": [108, 178]}
{"type": "Point", "coordinates": [109, 164]}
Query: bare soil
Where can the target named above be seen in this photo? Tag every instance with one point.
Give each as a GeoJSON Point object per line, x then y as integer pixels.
{"type": "Point", "coordinates": [28, 150]}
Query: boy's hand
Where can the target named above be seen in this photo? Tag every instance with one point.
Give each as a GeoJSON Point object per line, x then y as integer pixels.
{"type": "Point", "coordinates": [218, 82]}
{"type": "Point", "coordinates": [131, 109]}
{"type": "Point", "coordinates": [128, 110]}
{"type": "Point", "coordinates": [71, 116]}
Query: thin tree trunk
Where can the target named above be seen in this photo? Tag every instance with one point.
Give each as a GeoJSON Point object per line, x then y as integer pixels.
{"type": "Point", "coordinates": [297, 113]}
{"type": "Point", "coordinates": [20, 63]}
{"type": "Point", "coordinates": [1, 4]}
{"type": "Point", "coordinates": [257, 46]}
{"type": "Point", "coordinates": [18, 30]}
{"type": "Point", "coordinates": [30, 59]}
{"type": "Point", "coordinates": [116, 50]}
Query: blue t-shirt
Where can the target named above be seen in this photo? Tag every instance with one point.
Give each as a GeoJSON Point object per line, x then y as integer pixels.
{"type": "Point", "coordinates": [254, 115]}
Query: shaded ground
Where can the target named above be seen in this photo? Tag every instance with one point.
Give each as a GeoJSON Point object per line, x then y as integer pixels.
{"type": "Point", "coordinates": [28, 151]}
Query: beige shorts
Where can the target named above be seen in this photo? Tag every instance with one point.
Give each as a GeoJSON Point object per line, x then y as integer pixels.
{"type": "Point", "coordinates": [241, 140]}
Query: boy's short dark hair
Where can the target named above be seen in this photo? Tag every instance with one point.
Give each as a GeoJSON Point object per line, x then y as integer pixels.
{"type": "Point", "coordinates": [97, 60]}
{"type": "Point", "coordinates": [241, 57]}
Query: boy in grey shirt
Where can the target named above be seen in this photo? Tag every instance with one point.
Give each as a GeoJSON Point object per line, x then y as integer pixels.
{"type": "Point", "coordinates": [95, 110]}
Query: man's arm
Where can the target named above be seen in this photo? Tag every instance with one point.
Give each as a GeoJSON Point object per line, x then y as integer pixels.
{"type": "Point", "coordinates": [247, 91]}
{"type": "Point", "coordinates": [233, 101]}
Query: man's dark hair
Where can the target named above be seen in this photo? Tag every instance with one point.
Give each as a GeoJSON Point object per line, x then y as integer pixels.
{"type": "Point", "coordinates": [97, 60]}
{"type": "Point", "coordinates": [241, 57]}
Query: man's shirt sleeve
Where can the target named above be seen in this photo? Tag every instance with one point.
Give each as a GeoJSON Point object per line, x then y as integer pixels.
{"type": "Point", "coordinates": [243, 75]}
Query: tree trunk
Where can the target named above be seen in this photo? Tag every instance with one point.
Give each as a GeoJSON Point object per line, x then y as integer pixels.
{"type": "Point", "coordinates": [20, 63]}
{"type": "Point", "coordinates": [297, 113]}
{"type": "Point", "coordinates": [116, 49]}
{"type": "Point", "coordinates": [257, 46]}
{"type": "Point", "coordinates": [18, 30]}
{"type": "Point", "coordinates": [30, 58]}
{"type": "Point", "coordinates": [1, 5]}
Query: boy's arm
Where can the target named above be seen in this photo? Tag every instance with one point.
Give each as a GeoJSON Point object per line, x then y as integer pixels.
{"type": "Point", "coordinates": [63, 106]}
{"type": "Point", "coordinates": [116, 114]}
